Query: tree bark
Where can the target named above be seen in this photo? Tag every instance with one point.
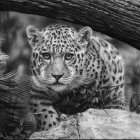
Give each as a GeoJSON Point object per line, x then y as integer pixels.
{"type": "Point", "coordinates": [119, 19]}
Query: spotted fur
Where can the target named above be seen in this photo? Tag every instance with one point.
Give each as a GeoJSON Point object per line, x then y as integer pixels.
{"type": "Point", "coordinates": [64, 60]}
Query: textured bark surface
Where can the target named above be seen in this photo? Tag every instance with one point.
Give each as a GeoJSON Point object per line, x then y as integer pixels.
{"type": "Point", "coordinates": [95, 124]}
{"type": "Point", "coordinates": [117, 18]}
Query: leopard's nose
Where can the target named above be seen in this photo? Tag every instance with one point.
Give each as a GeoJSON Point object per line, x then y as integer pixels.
{"type": "Point", "coordinates": [57, 77]}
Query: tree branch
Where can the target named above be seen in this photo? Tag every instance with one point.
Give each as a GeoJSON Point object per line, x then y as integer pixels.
{"type": "Point", "coordinates": [117, 18]}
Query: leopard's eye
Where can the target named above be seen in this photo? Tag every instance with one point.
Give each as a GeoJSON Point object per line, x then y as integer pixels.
{"type": "Point", "coordinates": [46, 56]}
{"type": "Point", "coordinates": [68, 56]}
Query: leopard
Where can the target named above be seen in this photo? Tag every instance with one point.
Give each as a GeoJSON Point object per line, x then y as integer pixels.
{"type": "Point", "coordinates": [67, 62]}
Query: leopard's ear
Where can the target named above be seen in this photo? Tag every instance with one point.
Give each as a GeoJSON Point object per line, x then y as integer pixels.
{"type": "Point", "coordinates": [33, 35]}
{"type": "Point", "coordinates": [84, 36]}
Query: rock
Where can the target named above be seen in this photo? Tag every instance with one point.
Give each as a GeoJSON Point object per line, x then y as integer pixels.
{"type": "Point", "coordinates": [95, 124]}
{"type": "Point", "coordinates": [66, 130]}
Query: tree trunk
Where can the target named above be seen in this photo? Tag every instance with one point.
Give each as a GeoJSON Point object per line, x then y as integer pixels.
{"type": "Point", "coordinates": [117, 18]}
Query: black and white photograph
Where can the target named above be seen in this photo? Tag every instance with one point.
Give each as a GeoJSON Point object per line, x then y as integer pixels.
{"type": "Point", "coordinates": [69, 69]}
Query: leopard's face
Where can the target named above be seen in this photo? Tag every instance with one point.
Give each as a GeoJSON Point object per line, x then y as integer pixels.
{"type": "Point", "coordinates": [59, 57]}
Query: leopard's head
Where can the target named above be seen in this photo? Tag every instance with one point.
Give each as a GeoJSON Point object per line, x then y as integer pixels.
{"type": "Point", "coordinates": [60, 56]}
